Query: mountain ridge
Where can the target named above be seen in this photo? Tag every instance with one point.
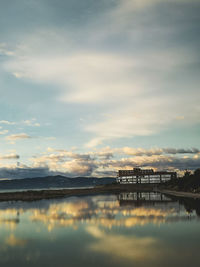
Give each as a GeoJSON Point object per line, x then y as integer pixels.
{"type": "Point", "coordinates": [57, 181]}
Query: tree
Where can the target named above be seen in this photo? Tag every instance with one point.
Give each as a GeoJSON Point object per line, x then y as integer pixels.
{"type": "Point", "coordinates": [197, 172]}
{"type": "Point", "coordinates": [187, 173]}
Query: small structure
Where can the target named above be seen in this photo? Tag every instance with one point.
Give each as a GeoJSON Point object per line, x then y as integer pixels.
{"type": "Point", "coordinates": [148, 176]}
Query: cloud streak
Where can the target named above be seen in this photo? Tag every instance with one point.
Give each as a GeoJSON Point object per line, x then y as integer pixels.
{"type": "Point", "coordinates": [9, 156]}
{"type": "Point", "coordinates": [15, 137]}
{"type": "Point", "coordinates": [7, 122]}
{"type": "Point", "coordinates": [32, 123]}
{"type": "Point", "coordinates": [3, 132]}
{"type": "Point", "coordinates": [132, 84]}
{"type": "Point", "coordinates": [157, 151]}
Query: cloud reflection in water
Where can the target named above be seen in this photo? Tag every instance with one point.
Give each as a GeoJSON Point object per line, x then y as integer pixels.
{"type": "Point", "coordinates": [101, 227]}
{"type": "Point", "coordinates": [105, 211]}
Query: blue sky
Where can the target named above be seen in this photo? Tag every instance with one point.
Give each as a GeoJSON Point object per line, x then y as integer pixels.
{"type": "Point", "coordinates": [88, 87]}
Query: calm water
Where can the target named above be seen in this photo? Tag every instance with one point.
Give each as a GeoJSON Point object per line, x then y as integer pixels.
{"type": "Point", "coordinates": [145, 229]}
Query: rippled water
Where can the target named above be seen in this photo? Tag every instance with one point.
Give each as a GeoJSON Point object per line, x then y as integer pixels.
{"type": "Point", "coordinates": [134, 229]}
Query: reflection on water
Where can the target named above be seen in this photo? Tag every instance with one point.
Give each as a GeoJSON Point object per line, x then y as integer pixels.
{"type": "Point", "coordinates": [129, 229]}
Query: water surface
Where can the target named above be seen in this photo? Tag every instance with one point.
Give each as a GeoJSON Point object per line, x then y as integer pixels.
{"type": "Point", "coordinates": [130, 229]}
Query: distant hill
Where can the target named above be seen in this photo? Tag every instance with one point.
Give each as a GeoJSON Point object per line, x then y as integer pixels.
{"type": "Point", "coordinates": [53, 182]}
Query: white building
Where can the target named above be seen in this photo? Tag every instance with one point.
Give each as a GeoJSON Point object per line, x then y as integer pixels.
{"type": "Point", "coordinates": [148, 176]}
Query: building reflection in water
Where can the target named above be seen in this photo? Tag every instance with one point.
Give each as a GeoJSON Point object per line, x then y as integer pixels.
{"type": "Point", "coordinates": [140, 198]}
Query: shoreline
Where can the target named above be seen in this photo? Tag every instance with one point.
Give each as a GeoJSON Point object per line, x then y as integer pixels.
{"type": "Point", "coordinates": [33, 195]}
{"type": "Point", "coordinates": [179, 193]}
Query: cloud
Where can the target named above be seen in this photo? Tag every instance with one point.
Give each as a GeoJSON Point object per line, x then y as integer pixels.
{"type": "Point", "coordinates": [107, 161]}
{"type": "Point", "coordinates": [71, 163]}
{"type": "Point", "coordinates": [9, 156]}
{"type": "Point", "coordinates": [14, 172]}
{"type": "Point", "coordinates": [5, 51]}
{"type": "Point", "coordinates": [181, 151]}
{"type": "Point", "coordinates": [61, 155]}
{"type": "Point", "coordinates": [159, 162]}
{"type": "Point", "coordinates": [3, 132]}
{"type": "Point", "coordinates": [100, 163]}
{"type": "Point", "coordinates": [125, 71]}
{"type": "Point", "coordinates": [127, 122]}
{"type": "Point", "coordinates": [80, 167]}
{"type": "Point", "coordinates": [145, 116]}
{"type": "Point", "coordinates": [128, 71]}
{"type": "Point", "coordinates": [50, 138]}
{"type": "Point", "coordinates": [90, 75]}
{"type": "Point", "coordinates": [156, 151]}
{"type": "Point", "coordinates": [15, 137]}
{"type": "Point", "coordinates": [7, 122]}
{"type": "Point", "coordinates": [40, 168]}
{"type": "Point", "coordinates": [31, 123]}
{"type": "Point", "coordinates": [103, 155]}
{"type": "Point", "coordinates": [126, 8]}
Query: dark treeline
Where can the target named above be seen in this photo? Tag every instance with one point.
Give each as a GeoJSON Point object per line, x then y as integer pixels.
{"type": "Point", "coordinates": [189, 182]}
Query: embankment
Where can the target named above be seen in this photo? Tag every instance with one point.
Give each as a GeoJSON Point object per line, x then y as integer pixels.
{"type": "Point", "coordinates": [32, 195]}
{"type": "Point", "coordinates": [180, 193]}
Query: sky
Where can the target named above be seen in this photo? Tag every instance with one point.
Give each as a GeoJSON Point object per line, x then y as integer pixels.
{"type": "Point", "coordinates": [89, 87]}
